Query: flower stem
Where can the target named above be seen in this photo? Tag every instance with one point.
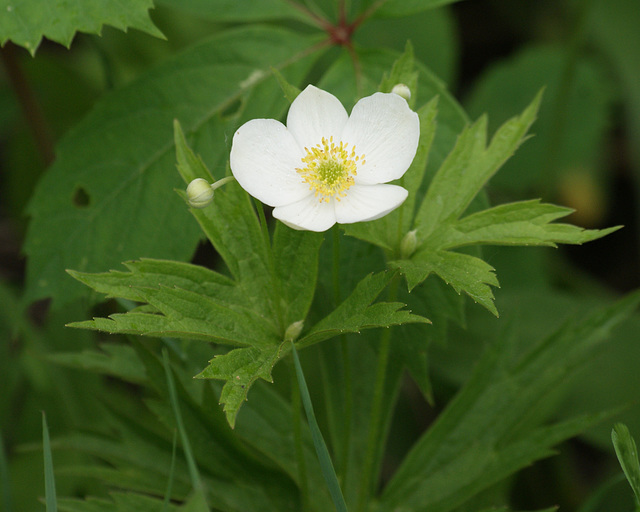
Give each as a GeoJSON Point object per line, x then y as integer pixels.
{"type": "Point", "coordinates": [346, 364]}
{"type": "Point", "coordinates": [222, 181]}
{"type": "Point", "coordinates": [328, 471]}
{"type": "Point", "coordinates": [296, 410]}
{"type": "Point", "coordinates": [370, 466]}
{"type": "Point", "coordinates": [272, 267]}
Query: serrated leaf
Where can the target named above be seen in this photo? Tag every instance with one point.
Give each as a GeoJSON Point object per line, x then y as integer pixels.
{"type": "Point", "coordinates": [240, 368]}
{"type": "Point", "coordinates": [190, 315]}
{"type": "Point", "coordinates": [122, 157]}
{"type": "Point", "coordinates": [465, 273]}
{"type": "Point", "coordinates": [469, 166]}
{"type": "Point", "coordinates": [357, 312]}
{"type": "Point", "coordinates": [26, 22]}
{"type": "Point", "coordinates": [439, 226]}
{"type": "Point", "coordinates": [521, 223]}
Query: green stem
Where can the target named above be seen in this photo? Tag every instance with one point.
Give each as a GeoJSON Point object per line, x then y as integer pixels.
{"type": "Point", "coordinates": [272, 268]}
{"type": "Point", "coordinates": [296, 410]}
{"type": "Point", "coordinates": [223, 181]}
{"type": "Point", "coordinates": [328, 471]}
{"type": "Point", "coordinates": [346, 364]}
{"type": "Point", "coordinates": [370, 466]}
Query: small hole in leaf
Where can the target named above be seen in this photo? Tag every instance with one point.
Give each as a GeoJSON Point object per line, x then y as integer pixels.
{"type": "Point", "coordinates": [232, 110]}
{"type": "Point", "coordinates": [81, 198]}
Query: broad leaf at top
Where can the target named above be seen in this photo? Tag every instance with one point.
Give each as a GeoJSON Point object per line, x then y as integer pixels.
{"type": "Point", "coordinates": [239, 11]}
{"type": "Point", "coordinates": [26, 22]}
{"type": "Point", "coordinates": [397, 8]}
{"type": "Point", "coordinates": [121, 158]}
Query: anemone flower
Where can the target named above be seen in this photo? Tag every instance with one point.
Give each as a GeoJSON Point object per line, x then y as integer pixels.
{"type": "Point", "coordinates": [325, 166]}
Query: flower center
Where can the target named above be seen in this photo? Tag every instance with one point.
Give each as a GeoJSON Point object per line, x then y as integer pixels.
{"type": "Point", "coordinates": [330, 168]}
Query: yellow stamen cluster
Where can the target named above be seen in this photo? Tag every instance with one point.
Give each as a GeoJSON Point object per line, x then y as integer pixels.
{"type": "Point", "coordinates": [330, 168]}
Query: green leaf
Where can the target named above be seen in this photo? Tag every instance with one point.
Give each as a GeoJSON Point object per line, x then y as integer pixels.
{"type": "Point", "coordinates": [189, 165]}
{"type": "Point", "coordinates": [521, 223]}
{"type": "Point", "coordinates": [614, 28]}
{"type": "Point", "coordinates": [357, 312]}
{"type": "Point", "coordinates": [121, 157]}
{"type": "Point", "coordinates": [49, 478]}
{"type": "Point", "coordinates": [26, 22]}
{"type": "Point", "coordinates": [493, 428]}
{"type": "Point", "coordinates": [397, 8]}
{"type": "Point", "coordinates": [296, 254]}
{"type": "Point", "coordinates": [240, 368]}
{"type": "Point", "coordinates": [234, 11]}
{"type": "Point", "coordinates": [627, 453]}
{"type": "Point", "coordinates": [465, 273]}
{"type": "Point", "coordinates": [113, 360]}
{"type": "Point", "coordinates": [183, 313]}
{"type": "Point", "coordinates": [584, 115]}
{"type": "Point", "coordinates": [290, 91]}
{"type": "Point", "coordinates": [402, 72]}
{"type": "Point", "coordinates": [439, 226]}
{"type": "Point", "coordinates": [468, 168]}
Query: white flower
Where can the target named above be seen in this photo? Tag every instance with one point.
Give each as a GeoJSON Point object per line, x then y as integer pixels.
{"type": "Point", "coordinates": [326, 166]}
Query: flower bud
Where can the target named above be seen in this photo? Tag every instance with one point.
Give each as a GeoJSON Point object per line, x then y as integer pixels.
{"type": "Point", "coordinates": [293, 331]}
{"type": "Point", "coordinates": [199, 193]}
{"type": "Point", "coordinates": [402, 90]}
{"type": "Point", "coordinates": [408, 244]}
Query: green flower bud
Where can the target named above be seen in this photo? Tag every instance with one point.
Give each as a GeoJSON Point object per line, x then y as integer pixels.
{"type": "Point", "coordinates": [408, 245]}
{"type": "Point", "coordinates": [402, 90]}
{"type": "Point", "coordinates": [293, 331]}
{"type": "Point", "coordinates": [199, 193]}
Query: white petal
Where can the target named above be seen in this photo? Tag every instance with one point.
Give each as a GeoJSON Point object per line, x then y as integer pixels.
{"type": "Point", "coordinates": [368, 202]}
{"type": "Point", "coordinates": [263, 159]}
{"type": "Point", "coordinates": [386, 131]}
{"type": "Point", "coordinates": [315, 114]}
{"type": "Point", "coordinates": [308, 214]}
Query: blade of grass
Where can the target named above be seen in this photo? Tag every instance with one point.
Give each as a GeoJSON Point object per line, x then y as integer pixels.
{"type": "Point", "coordinates": [627, 453]}
{"type": "Point", "coordinates": [167, 495]}
{"type": "Point", "coordinates": [328, 471]}
{"type": "Point", "coordinates": [186, 445]}
{"type": "Point", "coordinates": [49, 480]}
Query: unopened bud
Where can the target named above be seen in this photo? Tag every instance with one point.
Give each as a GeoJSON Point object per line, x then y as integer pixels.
{"type": "Point", "coordinates": [402, 90]}
{"type": "Point", "coordinates": [293, 331]}
{"type": "Point", "coordinates": [199, 193]}
{"type": "Point", "coordinates": [408, 244]}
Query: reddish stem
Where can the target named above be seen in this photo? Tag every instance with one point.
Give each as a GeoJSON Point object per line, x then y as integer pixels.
{"type": "Point", "coordinates": [29, 104]}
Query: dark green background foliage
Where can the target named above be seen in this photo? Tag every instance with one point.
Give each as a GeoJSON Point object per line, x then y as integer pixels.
{"type": "Point", "coordinates": [88, 98]}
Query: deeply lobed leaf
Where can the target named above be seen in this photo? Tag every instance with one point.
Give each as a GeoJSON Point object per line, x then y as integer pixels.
{"type": "Point", "coordinates": [440, 227]}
